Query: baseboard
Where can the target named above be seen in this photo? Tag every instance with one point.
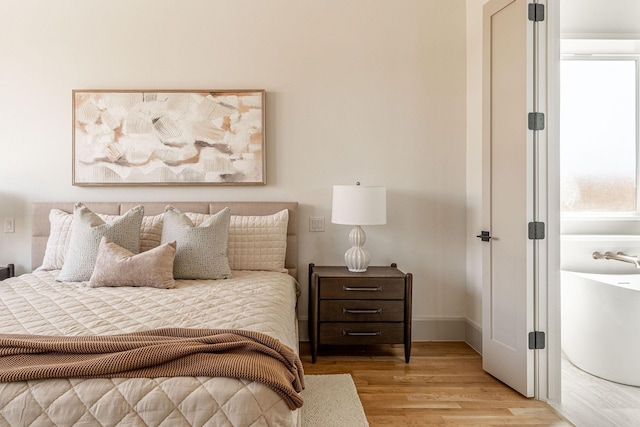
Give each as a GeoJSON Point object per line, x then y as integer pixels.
{"type": "Point", "coordinates": [423, 329]}
{"type": "Point", "coordinates": [438, 329]}
{"type": "Point", "coordinates": [473, 335]}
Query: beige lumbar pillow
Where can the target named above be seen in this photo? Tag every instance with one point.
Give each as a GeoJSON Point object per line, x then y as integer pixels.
{"type": "Point", "coordinates": [117, 266]}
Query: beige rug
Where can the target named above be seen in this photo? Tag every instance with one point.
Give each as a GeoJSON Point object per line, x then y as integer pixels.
{"type": "Point", "coordinates": [331, 401]}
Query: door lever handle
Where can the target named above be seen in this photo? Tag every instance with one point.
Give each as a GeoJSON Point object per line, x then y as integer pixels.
{"type": "Point", "coordinates": [485, 236]}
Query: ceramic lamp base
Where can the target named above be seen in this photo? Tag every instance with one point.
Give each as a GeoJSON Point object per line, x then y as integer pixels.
{"type": "Point", "coordinates": [357, 258]}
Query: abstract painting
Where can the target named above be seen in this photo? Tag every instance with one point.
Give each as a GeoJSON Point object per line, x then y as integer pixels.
{"type": "Point", "coordinates": [168, 137]}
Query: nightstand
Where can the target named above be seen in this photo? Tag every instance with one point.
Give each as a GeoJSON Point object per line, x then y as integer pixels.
{"type": "Point", "coordinates": [369, 308]}
{"type": "Point", "coordinates": [8, 271]}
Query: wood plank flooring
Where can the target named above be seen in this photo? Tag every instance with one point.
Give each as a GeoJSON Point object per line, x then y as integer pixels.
{"type": "Point", "coordinates": [444, 384]}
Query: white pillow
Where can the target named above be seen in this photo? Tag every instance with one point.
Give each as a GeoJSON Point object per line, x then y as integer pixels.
{"type": "Point", "coordinates": [87, 229]}
{"type": "Point", "coordinates": [58, 241]}
{"type": "Point", "coordinates": [201, 251]}
{"type": "Point", "coordinates": [258, 242]}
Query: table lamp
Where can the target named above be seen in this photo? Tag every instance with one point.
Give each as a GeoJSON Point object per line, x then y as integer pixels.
{"type": "Point", "coordinates": [358, 205]}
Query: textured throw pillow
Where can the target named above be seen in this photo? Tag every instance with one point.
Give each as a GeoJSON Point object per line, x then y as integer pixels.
{"type": "Point", "coordinates": [87, 229]}
{"type": "Point", "coordinates": [117, 266]}
{"type": "Point", "coordinates": [201, 251]}
{"type": "Point", "coordinates": [258, 242]}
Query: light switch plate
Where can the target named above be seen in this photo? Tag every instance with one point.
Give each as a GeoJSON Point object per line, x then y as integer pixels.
{"type": "Point", "coordinates": [9, 225]}
{"type": "Point", "coordinates": [316, 223]}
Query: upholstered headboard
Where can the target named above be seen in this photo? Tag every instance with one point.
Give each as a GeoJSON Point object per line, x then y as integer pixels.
{"type": "Point", "coordinates": [41, 225]}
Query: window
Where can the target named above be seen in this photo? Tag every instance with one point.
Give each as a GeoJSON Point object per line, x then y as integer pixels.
{"type": "Point", "coordinates": [599, 136]}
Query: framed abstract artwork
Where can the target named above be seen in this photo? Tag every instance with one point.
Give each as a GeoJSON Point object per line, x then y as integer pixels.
{"type": "Point", "coordinates": [168, 137]}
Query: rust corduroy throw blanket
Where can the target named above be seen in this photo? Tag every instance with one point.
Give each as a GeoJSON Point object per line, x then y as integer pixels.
{"type": "Point", "coordinates": [168, 352]}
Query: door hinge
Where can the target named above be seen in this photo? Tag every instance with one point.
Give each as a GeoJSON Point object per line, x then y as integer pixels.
{"type": "Point", "coordinates": [536, 340]}
{"type": "Point", "coordinates": [536, 230]}
{"type": "Point", "coordinates": [536, 121]}
{"type": "Point", "coordinates": [536, 12]}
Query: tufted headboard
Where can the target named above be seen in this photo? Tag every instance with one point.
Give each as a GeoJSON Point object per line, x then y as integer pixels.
{"type": "Point", "coordinates": [41, 226]}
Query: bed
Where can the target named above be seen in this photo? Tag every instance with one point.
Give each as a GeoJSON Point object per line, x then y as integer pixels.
{"type": "Point", "coordinates": [257, 298]}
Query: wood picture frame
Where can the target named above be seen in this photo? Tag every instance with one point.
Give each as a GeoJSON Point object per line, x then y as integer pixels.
{"type": "Point", "coordinates": [168, 137]}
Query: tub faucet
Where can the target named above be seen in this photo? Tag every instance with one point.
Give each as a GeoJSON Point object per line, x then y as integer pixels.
{"type": "Point", "coordinates": [620, 256]}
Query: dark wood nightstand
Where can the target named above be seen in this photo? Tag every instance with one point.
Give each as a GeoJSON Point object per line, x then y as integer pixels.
{"type": "Point", "coordinates": [367, 308]}
{"type": "Point", "coordinates": [8, 271]}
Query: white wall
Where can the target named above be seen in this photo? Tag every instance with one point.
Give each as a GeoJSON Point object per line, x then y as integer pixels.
{"type": "Point", "coordinates": [367, 90]}
{"type": "Point", "coordinates": [599, 18]}
{"type": "Point", "coordinates": [474, 171]}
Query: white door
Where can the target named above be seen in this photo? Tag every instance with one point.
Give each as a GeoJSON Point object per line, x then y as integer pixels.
{"type": "Point", "coordinates": [511, 190]}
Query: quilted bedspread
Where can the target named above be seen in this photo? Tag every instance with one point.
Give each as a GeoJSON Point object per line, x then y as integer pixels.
{"type": "Point", "coordinates": [37, 304]}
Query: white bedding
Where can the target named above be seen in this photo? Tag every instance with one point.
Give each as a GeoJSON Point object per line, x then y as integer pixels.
{"type": "Point", "coordinates": [37, 304]}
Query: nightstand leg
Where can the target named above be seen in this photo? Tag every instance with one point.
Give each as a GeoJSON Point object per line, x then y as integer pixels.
{"type": "Point", "coordinates": [407, 351]}
{"type": "Point", "coordinates": [313, 313]}
{"type": "Point", "coordinates": [408, 298]}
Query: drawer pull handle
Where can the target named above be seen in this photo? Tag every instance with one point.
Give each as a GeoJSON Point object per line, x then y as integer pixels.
{"type": "Point", "coordinates": [361, 334]}
{"type": "Point", "coordinates": [362, 289]}
{"type": "Point", "coordinates": [362, 311]}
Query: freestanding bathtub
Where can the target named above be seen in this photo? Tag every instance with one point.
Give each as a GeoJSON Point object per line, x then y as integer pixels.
{"type": "Point", "coordinates": [601, 324]}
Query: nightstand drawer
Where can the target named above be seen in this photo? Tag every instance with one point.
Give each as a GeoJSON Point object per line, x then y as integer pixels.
{"type": "Point", "coordinates": [361, 311]}
{"type": "Point", "coordinates": [361, 333]}
{"type": "Point", "coordinates": [362, 288]}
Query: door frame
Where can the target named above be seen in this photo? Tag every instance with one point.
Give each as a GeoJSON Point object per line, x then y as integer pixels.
{"type": "Point", "coordinates": [548, 363]}
{"type": "Point", "coordinates": [549, 369]}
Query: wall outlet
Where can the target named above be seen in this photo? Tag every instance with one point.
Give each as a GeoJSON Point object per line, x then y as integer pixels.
{"type": "Point", "coordinates": [316, 223]}
{"type": "Point", "coordinates": [9, 225]}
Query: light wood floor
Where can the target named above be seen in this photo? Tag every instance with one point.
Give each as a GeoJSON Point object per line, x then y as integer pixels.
{"type": "Point", "coordinates": [589, 401]}
{"type": "Point", "coordinates": [444, 384]}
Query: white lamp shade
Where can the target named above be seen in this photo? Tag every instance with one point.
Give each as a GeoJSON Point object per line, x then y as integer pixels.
{"type": "Point", "coordinates": [359, 205]}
